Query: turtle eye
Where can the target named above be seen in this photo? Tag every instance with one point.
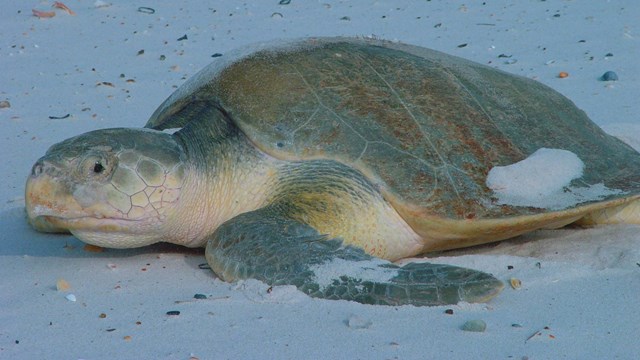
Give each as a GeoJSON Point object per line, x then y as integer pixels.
{"type": "Point", "coordinates": [94, 166]}
{"type": "Point", "coordinates": [98, 167]}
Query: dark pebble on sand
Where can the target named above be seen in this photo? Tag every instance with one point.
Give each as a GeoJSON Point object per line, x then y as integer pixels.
{"type": "Point", "coordinates": [609, 76]}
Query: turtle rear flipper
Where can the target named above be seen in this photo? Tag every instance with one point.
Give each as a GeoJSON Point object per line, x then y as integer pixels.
{"type": "Point", "coordinates": [270, 247]}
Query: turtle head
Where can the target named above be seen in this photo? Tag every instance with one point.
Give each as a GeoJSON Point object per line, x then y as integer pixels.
{"type": "Point", "coordinates": [111, 188]}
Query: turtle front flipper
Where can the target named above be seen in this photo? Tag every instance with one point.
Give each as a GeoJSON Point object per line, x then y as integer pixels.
{"type": "Point", "coordinates": [277, 250]}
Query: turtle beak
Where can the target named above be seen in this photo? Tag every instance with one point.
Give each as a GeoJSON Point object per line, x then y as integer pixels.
{"type": "Point", "coordinates": [46, 198]}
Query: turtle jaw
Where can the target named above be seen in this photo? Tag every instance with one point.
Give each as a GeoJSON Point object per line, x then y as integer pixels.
{"type": "Point", "coordinates": [52, 208]}
{"type": "Point", "coordinates": [46, 204]}
{"type": "Point", "coordinates": [103, 232]}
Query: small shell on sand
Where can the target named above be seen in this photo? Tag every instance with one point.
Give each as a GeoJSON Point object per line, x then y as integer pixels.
{"type": "Point", "coordinates": [474, 326]}
{"type": "Point", "coordinates": [515, 283]}
{"type": "Point", "coordinates": [62, 285]}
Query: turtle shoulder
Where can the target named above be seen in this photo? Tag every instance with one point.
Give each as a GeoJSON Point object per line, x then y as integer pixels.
{"type": "Point", "coordinates": [424, 127]}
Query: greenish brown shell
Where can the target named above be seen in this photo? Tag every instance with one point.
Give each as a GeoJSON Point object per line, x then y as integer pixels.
{"type": "Point", "coordinates": [423, 126]}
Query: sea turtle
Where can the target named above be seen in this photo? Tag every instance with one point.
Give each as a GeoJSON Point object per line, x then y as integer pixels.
{"type": "Point", "coordinates": [318, 162]}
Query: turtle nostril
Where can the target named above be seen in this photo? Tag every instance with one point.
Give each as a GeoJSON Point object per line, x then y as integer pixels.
{"type": "Point", "coordinates": [37, 169]}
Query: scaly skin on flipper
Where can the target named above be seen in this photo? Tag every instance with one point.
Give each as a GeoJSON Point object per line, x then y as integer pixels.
{"type": "Point", "coordinates": [268, 246]}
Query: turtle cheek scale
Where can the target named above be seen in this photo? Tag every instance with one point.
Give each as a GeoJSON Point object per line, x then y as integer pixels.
{"type": "Point", "coordinates": [130, 209]}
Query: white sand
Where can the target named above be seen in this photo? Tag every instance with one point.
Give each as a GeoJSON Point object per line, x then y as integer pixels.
{"type": "Point", "coordinates": [582, 285]}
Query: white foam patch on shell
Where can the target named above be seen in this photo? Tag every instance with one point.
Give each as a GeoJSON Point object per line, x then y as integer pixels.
{"type": "Point", "coordinates": [543, 180]}
{"type": "Point", "coordinates": [366, 270]}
